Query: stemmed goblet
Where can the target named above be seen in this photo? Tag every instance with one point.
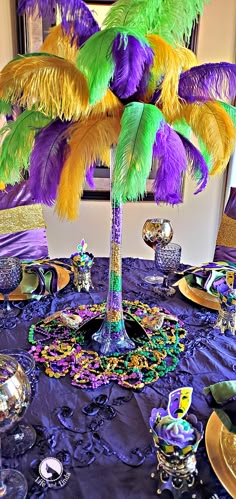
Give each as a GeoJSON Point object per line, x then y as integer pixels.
{"type": "Point", "coordinates": [22, 436]}
{"type": "Point", "coordinates": [15, 392]}
{"type": "Point", "coordinates": [10, 278]}
{"type": "Point", "coordinates": [167, 260]}
{"type": "Point", "coordinates": [156, 231]}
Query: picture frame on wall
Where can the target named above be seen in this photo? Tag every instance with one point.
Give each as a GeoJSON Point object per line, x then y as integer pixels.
{"type": "Point", "coordinates": [31, 33]}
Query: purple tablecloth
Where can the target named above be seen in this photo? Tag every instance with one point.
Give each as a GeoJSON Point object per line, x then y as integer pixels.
{"type": "Point", "coordinates": [110, 453]}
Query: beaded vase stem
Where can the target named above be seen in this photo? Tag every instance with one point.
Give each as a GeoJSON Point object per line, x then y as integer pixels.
{"type": "Point", "coordinates": [112, 335]}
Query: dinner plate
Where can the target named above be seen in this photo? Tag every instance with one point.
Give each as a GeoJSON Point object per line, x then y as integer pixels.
{"type": "Point", "coordinates": [221, 450]}
{"type": "Point", "coordinates": [30, 281]}
{"type": "Point", "coordinates": [198, 295]}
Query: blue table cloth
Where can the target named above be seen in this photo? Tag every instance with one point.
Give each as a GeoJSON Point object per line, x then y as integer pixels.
{"type": "Point", "coordinates": [107, 446]}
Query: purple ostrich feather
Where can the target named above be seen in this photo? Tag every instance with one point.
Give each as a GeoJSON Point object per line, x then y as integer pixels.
{"type": "Point", "coordinates": [46, 162]}
{"type": "Point", "coordinates": [172, 163]}
{"type": "Point", "coordinates": [132, 61]}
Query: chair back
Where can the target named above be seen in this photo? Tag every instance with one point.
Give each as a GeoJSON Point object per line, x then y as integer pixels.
{"type": "Point", "coordinates": [226, 239]}
{"type": "Point", "coordinates": [22, 225]}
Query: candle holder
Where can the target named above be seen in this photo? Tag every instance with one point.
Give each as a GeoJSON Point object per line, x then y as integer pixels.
{"type": "Point", "coordinates": [176, 441]}
{"type": "Point", "coordinates": [226, 321]}
{"type": "Point", "coordinates": [82, 262]}
{"type": "Point", "coordinates": [82, 279]}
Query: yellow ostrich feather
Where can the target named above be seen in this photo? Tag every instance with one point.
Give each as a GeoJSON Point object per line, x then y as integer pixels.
{"type": "Point", "coordinates": [187, 58]}
{"type": "Point", "coordinates": [109, 104]}
{"type": "Point", "coordinates": [59, 43]}
{"type": "Point", "coordinates": [101, 133]}
{"type": "Point", "coordinates": [214, 127]}
{"type": "Point", "coordinates": [166, 68]}
{"type": "Point", "coordinates": [51, 84]}
{"type": "Point", "coordinates": [2, 186]}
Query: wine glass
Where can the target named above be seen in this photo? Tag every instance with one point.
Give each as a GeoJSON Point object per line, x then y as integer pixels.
{"type": "Point", "coordinates": [10, 278]}
{"type": "Point", "coordinates": [15, 392]}
{"type": "Point", "coordinates": [22, 436]}
{"type": "Point", "coordinates": [156, 231]}
{"type": "Point", "coordinates": [167, 260]}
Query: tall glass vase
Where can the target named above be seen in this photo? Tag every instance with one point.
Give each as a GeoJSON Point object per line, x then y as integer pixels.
{"type": "Point", "coordinates": [112, 334]}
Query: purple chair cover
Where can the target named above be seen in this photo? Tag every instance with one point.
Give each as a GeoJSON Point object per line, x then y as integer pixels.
{"type": "Point", "coordinates": [26, 244]}
{"type": "Point", "coordinates": [227, 252]}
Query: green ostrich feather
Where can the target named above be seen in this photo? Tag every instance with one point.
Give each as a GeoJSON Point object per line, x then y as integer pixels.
{"type": "Point", "coordinates": [95, 59]}
{"type": "Point", "coordinates": [182, 127]}
{"type": "Point", "coordinates": [17, 144]}
{"type": "Point", "coordinates": [133, 162]}
{"type": "Point", "coordinates": [5, 107]}
{"type": "Point", "coordinates": [133, 13]}
{"type": "Point", "coordinates": [205, 154]}
{"type": "Point", "coordinates": [231, 110]}
{"type": "Point", "coordinates": [175, 19]}
{"type": "Point", "coordinates": [170, 19]}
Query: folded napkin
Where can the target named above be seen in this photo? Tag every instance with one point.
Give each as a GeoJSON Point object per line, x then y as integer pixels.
{"type": "Point", "coordinates": [46, 272]}
{"type": "Point", "coordinates": [222, 398]}
{"type": "Point", "coordinates": [47, 277]}
{"type": "Point", "coordinates": [216, 278]}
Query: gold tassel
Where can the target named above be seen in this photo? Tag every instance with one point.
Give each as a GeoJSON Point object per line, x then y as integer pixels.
{"type": "Point", "coordinates": [214, 127]}
{"type": "Point", "coordinates": [101, 133]}
{"type": "Point", "coordinates": [52, 85]}
{"type": "Point", "coordinates": [59, 43]}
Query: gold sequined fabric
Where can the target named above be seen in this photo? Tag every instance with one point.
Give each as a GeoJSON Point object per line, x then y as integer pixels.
{"type": "Point", "coordinates": [227, 232]}
{"type": "Point", "coordinates": [21, 218]}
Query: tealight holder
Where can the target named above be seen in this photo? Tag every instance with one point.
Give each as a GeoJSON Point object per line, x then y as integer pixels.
{"type": "Point", "coordinates": [177, 468]}
{"type": "Point", "coordinates": [82, 262]}
{"type": "Point", "coordinates": [82, 279]}
{"type": "Point", "coordinates": [226, 321]}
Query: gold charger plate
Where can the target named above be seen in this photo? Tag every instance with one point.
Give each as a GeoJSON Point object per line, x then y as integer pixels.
{"type": "Point", "coordinates": [30, 281]}
{"type": "Point", "coordinates": [198, 296]}
{"type": "Point", "coordinates": [214, 438]}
